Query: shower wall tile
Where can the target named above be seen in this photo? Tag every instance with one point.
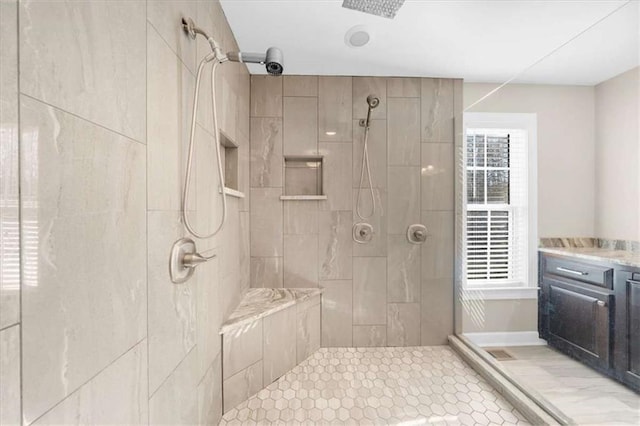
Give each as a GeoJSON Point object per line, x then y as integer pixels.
{"type": "Point", "coordinates": [242, 348]}
{"type": "Point", "coordinates": [403, 262]}
{"type": "Point", "coordinates": [404, 198]}
{"type": "Point", "coordinates": [335, 245]}
{"type": "Point", "coordinates": [377, 147]}
{"type": "Point", "coordinates": [300, 125]}
{"type": "Point", "coordinates": [307, 331]}
{"type": "Point", "coordinates": [266, 222]}
{"type": "Point", "coordinates": [300, 85]}
{"type": "Point", "coordinates": [267, 272]}
{"type": "Point", "coordinates": [9, 161]}
{"type": "Point", "coordinates": [170, 88]}
{"type": "Point", "coordinates": [108, 39]}
{"type": "Point", "coordinates": [172, 307]}
{"type": "Point", "coordinates": [10, 374]}
{"type": "Point", "coordinates": [266, 152]}
{"type": "Point", "coordinates": [266, 96]}
{"type": "Point", "coordinates": [438, 250]}
{"type": "Point", "coordinates": [378, 244]}
{"type": "Point", "coordinates": [117, 395]}
{"type": "Point", "coordinates": [279, 345]}
{"type": "Point", "coordinates": [87, 304]}
{"type": "Point", "coordinates": [242, 385]}
{"type": "Point", "coordinates": [337, 171]}
{"type": "Point", "coordinates": [400, 87]}
{"type": "Point", "coordinates": [369, 290]}
{"type": "Point", "coordinates": [337, 307]}
{"type": "Point", "coordinates": [403, 324]}
{"type": "Point", "coordinates": [300, 217]}
{"type": "Point", "coordinates": [176, 401]}
{"type": "Point", "coordinates": [404, 132]}
{"type": "Point", "coordinates": [437, 176]}
{"type": "Point", "coordinates": [244, 264]}
{"type": "Point", "coordinates": [365, 86]}
{"type": "Point", "coordinates": [210, 395]}
{"type": "Point", "coordinates": [162, 15]}
{"type": "Point", "coordinates": [208, 314]}
{"type": "Point", "coordinates": [369, 335]}
{"type": "Point", "coordinates": [437, 311]}
{"type": "Point", "coordinates": [334, 109]}
{"type": "Point", "coordinates": [205, 184]}
{"type": "Point", "coordinates": [300, 261]}
{"type": "Point", "coordinates": [437, 110]}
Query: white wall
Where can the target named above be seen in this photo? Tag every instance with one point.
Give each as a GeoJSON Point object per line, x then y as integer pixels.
{"type": "Point", "coordinates": [617, 153]}
{"type": "Point", "coordinates": [566, 146]}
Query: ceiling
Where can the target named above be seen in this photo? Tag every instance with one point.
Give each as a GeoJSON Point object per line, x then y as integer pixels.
{"type": "Point", "coordinates": [478, 40]}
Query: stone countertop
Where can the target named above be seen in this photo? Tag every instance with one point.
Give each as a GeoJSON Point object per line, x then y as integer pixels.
{"type": "Point", "coordinates": [259, 302]}
{"type": "Point", "coordinates": [620, 257]}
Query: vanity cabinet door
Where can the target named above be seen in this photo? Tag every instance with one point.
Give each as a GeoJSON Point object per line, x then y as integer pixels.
{"type": "Point", "coordinates": [632, 367]}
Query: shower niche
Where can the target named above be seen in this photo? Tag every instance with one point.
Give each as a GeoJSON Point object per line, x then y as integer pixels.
{"type": "Point", "coordinates": [303, 178]}
{"type": "Point", "coordinates": [230, 161]}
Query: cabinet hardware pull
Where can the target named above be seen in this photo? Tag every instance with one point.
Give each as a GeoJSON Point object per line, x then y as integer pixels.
{"type": "Point", "coordinates": [602, 303]}
{"type": "Point", "coordinates": [571, 271]}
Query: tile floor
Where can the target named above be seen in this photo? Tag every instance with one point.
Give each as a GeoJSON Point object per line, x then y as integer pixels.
{"type": "Point", "coordinates": [581, 393]}
{"type": "Point", "coordinates": [415, 385]}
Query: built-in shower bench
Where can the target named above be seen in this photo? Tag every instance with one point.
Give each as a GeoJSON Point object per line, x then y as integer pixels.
{"type": "Point", "coordinates": [271, 331]}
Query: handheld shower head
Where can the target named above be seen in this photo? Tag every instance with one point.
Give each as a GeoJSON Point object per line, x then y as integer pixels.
{"type": "Point", "coordinates": [373, 101]}
{"type": "Point", "coordinates": [272, 59]}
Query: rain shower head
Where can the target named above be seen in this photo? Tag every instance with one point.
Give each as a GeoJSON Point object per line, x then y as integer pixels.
{"type": "Point", "coordinates": [384, 8]}
{"type": "Point", "coordinates": [373, 101]}
{"type": "Point", "coordinates": [272, 60]}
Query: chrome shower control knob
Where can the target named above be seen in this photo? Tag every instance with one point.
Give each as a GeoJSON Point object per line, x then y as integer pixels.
{"type": "Point", "coordinates": [362, 233]}
{"type": "Point", "coordinates": [417, 234]}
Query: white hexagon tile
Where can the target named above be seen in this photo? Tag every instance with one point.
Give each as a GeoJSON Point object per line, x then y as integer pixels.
{"type": "Point", "coordinates": [411, 386]}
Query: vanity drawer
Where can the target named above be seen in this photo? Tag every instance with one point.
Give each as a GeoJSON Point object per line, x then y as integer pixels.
{"type": "Point", "coordinates": [600, 276]}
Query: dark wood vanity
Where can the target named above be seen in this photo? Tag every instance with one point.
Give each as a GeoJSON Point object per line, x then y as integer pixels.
{"type": "Point", "coordinates": [589, 309]}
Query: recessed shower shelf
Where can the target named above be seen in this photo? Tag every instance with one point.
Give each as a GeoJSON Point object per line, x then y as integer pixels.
{"type": "Point", "coordinates": [303, 197]}
{"type": "Point", "coordinates": [303, 178]}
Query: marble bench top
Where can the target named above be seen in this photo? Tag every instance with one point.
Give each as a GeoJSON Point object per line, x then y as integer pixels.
{"type": "Point", "coordinates": [620, 257]}
{"type": "Point", "coordinates": [259, 302]}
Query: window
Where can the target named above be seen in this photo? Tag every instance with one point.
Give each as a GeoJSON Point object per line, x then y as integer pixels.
{"type": "Point", "coordinates": [499, 201]}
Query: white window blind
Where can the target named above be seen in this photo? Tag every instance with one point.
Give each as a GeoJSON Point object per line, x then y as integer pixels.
{"type": "Point", "coordinates": [496, 225]}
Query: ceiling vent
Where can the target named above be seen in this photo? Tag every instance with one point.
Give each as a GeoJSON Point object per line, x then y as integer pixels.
{"type": "Point", "coordinates": [384, 8]}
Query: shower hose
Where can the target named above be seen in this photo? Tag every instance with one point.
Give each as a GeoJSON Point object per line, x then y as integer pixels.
{"type": "Point", "coordinates": [365, 163]}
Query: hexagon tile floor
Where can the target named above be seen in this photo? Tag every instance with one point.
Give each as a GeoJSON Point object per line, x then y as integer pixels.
{"type": "Point", "coordinates": [410, 386]}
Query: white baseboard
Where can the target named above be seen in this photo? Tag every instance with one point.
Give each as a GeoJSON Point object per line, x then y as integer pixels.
{"type": "Point", "coordinates": [506, 338]}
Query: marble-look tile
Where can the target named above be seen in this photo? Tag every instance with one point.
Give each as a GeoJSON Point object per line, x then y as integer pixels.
{"type": "Point", "coordinates": [204, 190]}
{"type": "Point", "coordinates": [172, 307]}
{"type": "Point", "coordinates": [404, 198]}
{"type": "Point", "coordinates": [437, 110]}
{"type": "Point", "coordinates": [377, 148]}
{"type": "Point", "coordinates": [244, 263]}
{"type": "Point", "coordinates": [117, 395]}
{"type": "Point", "coordinates": [308, 331]}
{"type": "Point", "coordinates": [266, 152]}
{"type": "Point", "coordinates": [365, 86]}
{"type": "Point", "coordinates": [369, 336]}
{"type": "Point", "coordinates": [334, 109]}
{"type": "Point", "coordinates": [241, 386]}
{"type": "Point", "coordinates": [403, 262]}
{"type": "Point", "coordinates": [337, 307]}
{"type": "Point", "coordinates": [84, 303]}
{"type": "Point", "coordinates": [438, 250]}
{"type": "Point", "coordinates": [267, 272]}
{"type": "Point", "coordinates": [403, 87]}
{"type": "Point", "coordinates": [208, 314]}
{"type": "Point", "coordinates": [300, 217]}
{"type": "Point", "coordinates": [404, 132]}
{"type": "Point", "coordinates": [10, 372]}
{"type": "Point", "coordinates": [108, 39]}
{"type": "Point", "coordinates": [300, 125]}
{"type": "Point", "coordinates": [378, 244]}
{"type": "Point", "coordinates": [437, 310]}
{"type": "Point", "coordinates": [266, 222]}
{"type": "Point", "coordinates": [169, 90]}
{"type": "Point", "coordinates": [335, 245]}
{"type": "Point", "coordinates": [241, 347]}
{"type": "Point", "coordinates": [9, 161]}
{"type": "Point", "coordinates": [279, 344]}
{"type": "Point", "coordinates": [165, 16]}
{"type": "Point", "coordinates": [266, 96]}
{"type": "Point", "coordinates": [300, 85]}
{"type": "Point", "coordinates": [403, 324]}
{"type": "Point", "coordinates": [369, 290]}
{"type": "Point", "coordinates": [300, 261]}
{"type": "Point", "coordinates": [229, 255]}
{"type": "Point", "coordinates": [437, 171]}
{"type": "Point", "coordinates": [210, 394]}
{"type": "Point", "coordinates": [176, 401]}
{"type": "Point", "coordinates": [337, 172]}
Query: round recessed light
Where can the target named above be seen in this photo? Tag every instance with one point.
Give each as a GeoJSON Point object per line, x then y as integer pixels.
{"type": "Point", "coordinates": [357, 36]}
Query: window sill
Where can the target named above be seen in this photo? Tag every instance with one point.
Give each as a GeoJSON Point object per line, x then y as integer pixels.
{"type": "Point", "coordinates": [508, 293]}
